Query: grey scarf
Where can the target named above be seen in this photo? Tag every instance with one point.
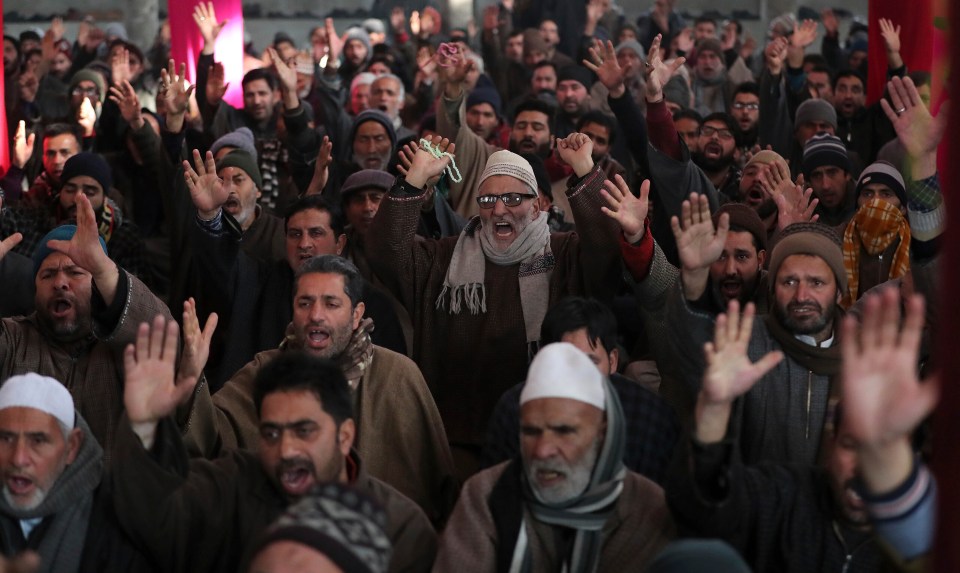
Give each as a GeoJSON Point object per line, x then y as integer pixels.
{"type": "Point", "coordinates": [464, 283]}
{"type": "Point", "coordinates": [589, 512]}
{"type": "Point", "coordinates": [68, 505]}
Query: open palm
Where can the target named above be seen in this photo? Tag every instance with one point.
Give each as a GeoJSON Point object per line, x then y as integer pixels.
{"type": "Point", "coordinates": [730, 373]}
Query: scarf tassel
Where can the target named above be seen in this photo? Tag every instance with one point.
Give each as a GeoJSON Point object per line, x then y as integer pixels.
{"type": "Point", "coordinates": [473, 295]}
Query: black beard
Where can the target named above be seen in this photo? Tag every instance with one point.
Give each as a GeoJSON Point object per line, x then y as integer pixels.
{"type": "Point", "coordinates": [767, 208]}
{"type": "Point", "coordinates": [712, 165]}
{"type": "Point", "coordinates": [543, 150]}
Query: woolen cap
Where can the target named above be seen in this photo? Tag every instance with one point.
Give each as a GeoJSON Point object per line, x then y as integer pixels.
{"type": "Point", "coordinates": [90, 76]}
{"type": "Point", "coordinates": [91, 165]}
{"type": "Point", "coordinates": [242, 160]}
{"type": "Point", "coordinates": [631, 45]}
{"type": "Point", "coordinates": [886, 174]}
{"type": "Point", "coordinates": [765, 157]}
{"type": "Point", "coordinates": [814, 239]}
{"type": "Point", "coordinates": [240, 138]}
{"type": "Point", "coordinates": [485, 95]}
{"type": "Point", "coordinates": [824, 149]}
{"type": "Point", "coordinates": [816, 110]}
{"type": "Point", "coordinates": [40, 393]}
{"type": "Point", "coordinates": [344, 524]}
{"type": "Point", "coordinates": [710, 45]}
{"type": "Point", "coordinates": [378, 116]}
{"type": "Point", "coordinates": [61, 233]}
{"type": "Point", "coordinates": [358, 33]}
{"type": "Point", "coordinates": [366, 179]}
{"type": "Point", "coordinates": [561, 370]}
{"type": "Point", "coordinates": [746, 218]}
{"type": "Point", "coordinates": [506, 162]}
{"type": "Point", "coordinates": [575, 73]}
{"type": "Point", "coordinates": [533, 41]}
{"type": "Point", "coordinates": [374, 26]}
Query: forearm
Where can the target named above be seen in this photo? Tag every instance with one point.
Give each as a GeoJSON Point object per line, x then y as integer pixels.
{"type": "Point", "coordinates": [633, 126]}
{"type": "Point", "coordinates": [905, 516]}
{"type": "Point", "coordinates": [663, 134]}
{"type": "Point", "coordinates": [638, 254]}
{"type": "Point", "coordinates": [712, 419]}
{"type": "Point", "coordinates": [694, 282]}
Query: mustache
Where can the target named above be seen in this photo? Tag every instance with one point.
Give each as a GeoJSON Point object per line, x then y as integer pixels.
{"type": "Point", "coordinates": [296, 464]}
{"type": "Point", "coordinates": [811, 304]}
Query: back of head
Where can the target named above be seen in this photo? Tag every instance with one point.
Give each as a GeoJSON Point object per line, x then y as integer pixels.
{"type": "Point", "coordinates": [698, 556]}
{"type": "Point", "coordinates": [294, 371]}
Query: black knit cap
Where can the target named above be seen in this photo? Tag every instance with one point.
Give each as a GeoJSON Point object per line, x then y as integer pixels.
{"type": "Point", "coordinates": [824, 149]}
{"type": "Point", "coordinates": [577, 73]}
{"type": "Point", "coordinates": [91, 165]}
{"type": "Point", "coordinates": [242, 160]}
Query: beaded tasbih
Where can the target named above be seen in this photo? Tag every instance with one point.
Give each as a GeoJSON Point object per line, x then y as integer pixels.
{"type": "Point", "coordinates": [451, 168]}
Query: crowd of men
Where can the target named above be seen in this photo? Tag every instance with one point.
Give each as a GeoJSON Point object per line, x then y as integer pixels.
{"type": "Point", "coordinates": [572, 290]}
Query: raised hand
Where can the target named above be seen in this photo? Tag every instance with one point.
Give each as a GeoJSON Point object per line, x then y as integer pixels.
{"type": "Point", "coordinates": [196, 344]}
{"type": "Point", "coordinates": [884, 401]}
{"type": "Point", "coordinates": [22, 145]}
{"type": "Point", "coordinates": [491, 18]}
{"type": "Point", "coordinates": [425, 166]}
{"type": "Point", "coordinates": [697, 243]}
{"type": "Point", "coordinates": [120, 67]}
{"type": "Point", "coordinates": [729, 36]}
{"type": "Point", "coordinates": [334, 42]}
{"type": "Point", "coordinates": [454, 75]}
{"type": "Point", "coordinates": [29, 85]}
{"type": "Point", "coordinates": [321, 170]}
{"type": "Point", "coordinates": [748, 46]}
{"type": "Point", "coordinates": [891, 35]}
{"type": "Point", "coordinates": [628, 211]}
{"type": "Point", "coordinates": [657, 72]}
{"type": "Point", "coordinates": [830, 23]}
{"type": "Point", "coordinates": [9, 243]}
{"type": "Point", "coordinates": [87, 117]}
{"type": "Point", "coordinates": [576, 150]}
{"type": "Point", "coordinates": [804, 34]}
{"type": "Point", "coordinates": [206, 188]}
{"type": "Point", "coordinates": [205, 17]}
{"type": "Point", "coordinates": [595, 12]}
{"type": "Point", "coordinates": [684, 40]}
{"type": "Point", "coordinates": [126, 99]}
{"type": "Point", "coordinates": [603, 62]}
{"type": "Point", "coordinates": [216, 84]}
{"type": "Point", "coordinates": [150, 391]}
{"type": "Point", "coordinates": [918, 131]}
{"type": "Point", "coordinates": [406, 155]}
{"type": "Point", "coordinates": [415, 23]}
{"type": "Point", "coordinates": [84, 247]}
{"type": "Point", "coordinates": [173, 96]}
{"type": "Point", "coordinates": [774, 55]}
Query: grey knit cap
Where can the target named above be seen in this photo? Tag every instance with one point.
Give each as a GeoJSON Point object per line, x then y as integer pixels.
{"type": "Point", "coordinates": [816, 110]}
{"type": "Point", "coordinates": [240, 138]}
{"type": "Point", "coordinates": [814, 239]}
{"type": "Point", "coordinates": [886, 174]}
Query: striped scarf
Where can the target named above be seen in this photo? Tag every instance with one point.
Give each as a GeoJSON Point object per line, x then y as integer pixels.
{"type": "Point", "coordinates": [588, 512]}
{"type": "Point", "coordinates": [873, 229]}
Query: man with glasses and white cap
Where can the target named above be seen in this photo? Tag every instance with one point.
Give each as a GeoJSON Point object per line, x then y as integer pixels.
{"type": "Point", "coordinates": [494, 282]}
{"type": "Point", "coordinates": [52, 467]}
{"type": "Point", "coordinates": [567, 503]}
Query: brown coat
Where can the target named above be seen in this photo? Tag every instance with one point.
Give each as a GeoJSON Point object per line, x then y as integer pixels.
{"type": "Point", "coordinates": [640, 527]}
{"type": "Point", "coordinates": [469, 360]}
{"type": "Point", "coordinates": [399, 432]}
{"type": "Point", "coordinates": [92, 369]}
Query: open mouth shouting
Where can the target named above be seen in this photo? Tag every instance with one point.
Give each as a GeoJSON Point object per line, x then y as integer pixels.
{"type": "Point", "coordinates": [712, 150]}
{"type": "Point", "coordinates": [317, 337]}
{"type": "Point", "coordinates": [296, 477]}
{"type": "Point", "coordinates": [60, 307]}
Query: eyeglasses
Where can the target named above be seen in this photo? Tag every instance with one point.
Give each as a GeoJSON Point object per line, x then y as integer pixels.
{"type": "Point", "coordinates": [509, 199]}
{"type": "Point", "coordinates": [739, 106]}
{"type": "Point", "coordinates": [710, 131]}
{"type": "Point", "coordinates": [92, 92]}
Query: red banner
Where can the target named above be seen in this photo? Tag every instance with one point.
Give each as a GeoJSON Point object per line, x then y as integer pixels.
{"type": "Point", "coordinates": [186, 42]}
{"type": "Point", "coordinates": [915, 19]}
{"type": "Point", "coordinates": [5, 140]}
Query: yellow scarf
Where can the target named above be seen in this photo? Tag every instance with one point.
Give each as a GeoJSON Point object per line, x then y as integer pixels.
{"type": "Point", "coordinates": [873, 229]}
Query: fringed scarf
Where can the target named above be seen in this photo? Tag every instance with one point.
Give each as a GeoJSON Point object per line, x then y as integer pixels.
{"type": "Point", "coordinates": [464, 283]}
{"type": "Point", "coordinates": [873, 229]}
{"type": "Point", "coordinates": [586, 514]}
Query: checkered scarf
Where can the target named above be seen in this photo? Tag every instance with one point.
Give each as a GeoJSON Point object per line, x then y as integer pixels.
{"type": "Point", "coordinates": [873, 229]}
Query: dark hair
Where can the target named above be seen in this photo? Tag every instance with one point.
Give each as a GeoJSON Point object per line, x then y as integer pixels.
{"type": "Point", "coordinates": [536, 104]}
{"type": "Point", "coordinates": [55, 129]}
{"type": "Point", "coordinates": [544, 64]}
{"type": "Point", "coordinates": [16, 42]}
{"type": "Point", "coordinates": [260, 74]}
{"type": "Point", "coordinates": [320, 203]}
{"type": "Point", "coordinates": [747, 88]}
{"type": "Point", "coordinates": [815, 60]}
{"type": "Point", "coordinates": [742, 229]}
{"type": "Point", "coordinates": [704, 20]}
{"type": "Point", "coordinates": [429, 121]}
{"type": "Point", "coordinates": [823, 70]}
{"type": "Point", "coordinates": [847, 74]}
{"type": "Point", "coordinates": [726, 118]}
{"type": "Point", "coordinates": [29, 35]}
{"type": "Point", "coordinates": [688, 114]}
{"type": "Point", "coordinates": [334, 264]}
{"type": "Point", "coordinates": [573, 313]}
{"type": "Point", "coordinates": [599, 118]}
{"type": "Point", "coordinates": [294, 370]}
{"type": "Point", "coordinates": [130, 47]}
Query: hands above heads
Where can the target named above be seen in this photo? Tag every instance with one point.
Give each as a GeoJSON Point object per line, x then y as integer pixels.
{"type": "Point", "coordinates": [335, 44]}
{"type": "Point", "coordinates": [206, 187]}
{"type": "Point", "coordinates": [22, 145]}
{"type": "Point", "coordinates": [205, 17]}
{"type": "Point", "coordinates": [576, 150]}
{"type": "Point", "coordinates": [774, 55]}
{"type": "Point", "coordinates": [794, 205]}
{"type": "Point", "coordinates": [918, 131]}
{"type": "Point", "coordinates": [698, 244]}
{"type": "Point", "coordinates": [85, 251]}
{"type": "Point", "coordinates": [126, 99]}
{"type": "Point", "coordinates": [830, 23]}
{"type": "Point", "coordinates": [87, 117]}
{"type": "Point", "coordinates": [657, 72]}
{"type": "Point", "coordinates": [425, 166]}
{"type": "Point", "coordinates": [603, 62]}
{"type": "Point", "coordinates": [804, 34]}
{"type": "Point", "coordinates": [684, 41]}
{"type": "Point", "coordinates": [173, 95]}
{"type": "Point", "coordinates": [321, 170]}
{"type": "Point", "coordinates": [398, 20]}
{"type": "Point", "coordinates": [891, 39]}
{"type": "Point", "coordinates": [120, 67]}
{"type": "Point", "coordinates": [217, 84]}
{"type": "Point", "coordinates": [453, 68]}
{"type": "Point", "coordinates": [287, 73]}
{"type": "Point", "coordinates": [628, 211]}
{"type": "Point", "coordinates": [196, 344]}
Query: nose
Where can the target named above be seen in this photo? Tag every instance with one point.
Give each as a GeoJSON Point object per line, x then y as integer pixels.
{"type": "Point", "coordinates": [21, 454]}
{"type": "Point", "coordinates": [288, 445]}
{"type": "Point", "coordinates": [801, 293]}
{"type": "Point", "coordinates": [60, 281]}
{"type": "Point", "coordinates": [500, 208]}
{"type": "Point", "coordinates": [730, 267]}
{"type": "Point", "coordinates": [369, 205]}
{"type": "Point", "coordinates": [544, 448]}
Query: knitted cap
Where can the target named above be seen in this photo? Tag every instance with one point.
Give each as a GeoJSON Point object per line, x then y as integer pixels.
{"type": "Point", "coordinates": [816, 110]}
{"type": "Point", "coordinates": [115, 30]}
{"type": "Point", "coordinates": [561, 370]}
{"type": "Point", "coordinates": [746, 218]}
{"type": "Point", "coordinates": [631, 45]}
{"type": "Point", "coordinates": [377, 116]}
{"type": "Point", "coordinates": [575, 73]}
{"type": "Point", "coordinates": [366, 179]}
{"type": "Point", "coordinates": [810, 239]}
{"type": "Point", "coordinates": [90, 76]}
{"type": "Point", "coordinates": [242, 160]}
{"type": "Point", "coordinates": [533, 41]}
{"type": "Point", "coordinates": [374, 26]}
{"type": "Point", "coordinates": [61, 233]}
{"type": "Point", "coordinates": [357, 33]}
{"type": "Point", "coordinates": [824, 149]}
{"type": "Point", "coordinates": [505, 162]}
{"type": "Point", "coordinates": [886, 174]}
{"type": "Point", "coordinates": [362, 79]}
{"type": "Point", "coordinates": [485, 95]}
{"type": "Point", "coordinates": [710, 45]}
{"type": "Point", "coordinates": [764, 157]}
{"type": "Point", "coordinates": [40, 393]}
{"type": "Point", "coordinates": [91, 165]}
{"type": "Point", "coordinates": [346, 525]}
{"type": "Point", "coordinates": [240, 138]}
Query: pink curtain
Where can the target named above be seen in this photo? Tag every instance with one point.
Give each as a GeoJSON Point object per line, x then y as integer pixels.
{"type": "Point", "coordinates": [916, 39]}
{"type": "Point", "coordinates": [186, 43]}
{"type": "Point", "coordinates": [5, 140]}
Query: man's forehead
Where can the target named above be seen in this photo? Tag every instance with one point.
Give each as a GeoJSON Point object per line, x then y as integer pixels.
{"type": "Point", "coordinates": [746, 97]}
{"type": "Point", "coordinates": [740, 240]}
{"type": "Point", "coordinates": [291, 406]}
{"type": "Point", "coordinates": [309, 218]}
{"type": "Point", "coordinates": [571, 85]}
{"type": "Point", "coordinates": [58, 260]}
{"type": "Point", "coordinates": [386, 83]}
{"type": "Point", "coordinates": [371, 127]}
{"type": "Point", "coordinates": [596, 129]}
{"type": "Point", "coordinates": [805, 264]}
{"type": "Point", "coordinates": [84, 181]}
{"type": "Point", "coordinates": [61, 141]}
{"type": "Point", "coordinates": [877, 187]}
{"type": "Point", "coordinates": [531, 116]}
{"type": "Point", "coordinates": [255, 86]}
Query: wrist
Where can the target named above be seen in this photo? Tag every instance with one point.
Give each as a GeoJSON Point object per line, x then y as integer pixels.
{"type": "Point", "coordinates": [107, 271]}
{"type": "Point", "coordinates": [208, 215]}
{"type": "Point", "coordinates": [634, 238]}
{"type": "Point", "coordinates": [712, 419]}
{"type": "Point", "coordinates": [582, 168]}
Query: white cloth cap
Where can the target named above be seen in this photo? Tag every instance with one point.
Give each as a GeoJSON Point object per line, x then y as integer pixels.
{"type": "Point", "coordinates": [561, 370]}
{"type": "Point", "coordinates": [506, 162]}
{"type": "Point", "coordinates": [40, 393]}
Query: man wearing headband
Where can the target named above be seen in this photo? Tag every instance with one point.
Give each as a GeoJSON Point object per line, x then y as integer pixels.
{"type": "Point", "coordinates": [494, 282]}
{"type": "Point", "coordinates": [569, 478]}
{"type": "Point", "coordinates": [52, 469]}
